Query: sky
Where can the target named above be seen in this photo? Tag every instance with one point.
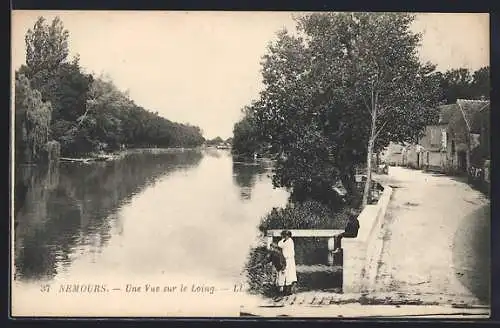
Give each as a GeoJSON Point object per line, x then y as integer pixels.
{"type": "Point", "coordinates": [203, 67]}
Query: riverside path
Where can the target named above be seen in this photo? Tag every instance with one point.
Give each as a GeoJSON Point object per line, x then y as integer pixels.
{"type": "Point", "coordinates": [436, 240]}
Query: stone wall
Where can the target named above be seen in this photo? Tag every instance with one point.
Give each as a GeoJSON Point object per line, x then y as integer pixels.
{"type": "Point", "coordinates": [362, 254]}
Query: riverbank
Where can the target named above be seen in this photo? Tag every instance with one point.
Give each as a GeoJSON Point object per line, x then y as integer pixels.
{"type": "Point", "coordinates": [111, 156]}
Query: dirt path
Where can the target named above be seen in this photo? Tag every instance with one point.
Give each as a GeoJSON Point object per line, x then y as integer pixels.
{"type": "Point", "coordinates": [436, 240]}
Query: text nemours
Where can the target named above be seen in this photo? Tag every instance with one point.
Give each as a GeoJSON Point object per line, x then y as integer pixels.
{"type": "Point", "coordinates": [88, 288]}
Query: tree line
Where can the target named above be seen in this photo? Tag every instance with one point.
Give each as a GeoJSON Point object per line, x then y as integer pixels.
{"type": "Point", "coordinates": [337, 92]}
{"type": "Point", "coordinates": [56, 100]}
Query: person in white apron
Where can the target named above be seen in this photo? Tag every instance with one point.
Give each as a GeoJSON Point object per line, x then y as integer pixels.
{"type": "Point", "coordinates": [287, 278]}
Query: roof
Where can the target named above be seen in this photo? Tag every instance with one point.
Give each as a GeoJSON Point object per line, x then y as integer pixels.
{"type": "Point", "coordinates": [463, 107]}
{"type": "Point", "coordinates": [446, 112]}
{"type": "Point", "coordinates": [472, 107]}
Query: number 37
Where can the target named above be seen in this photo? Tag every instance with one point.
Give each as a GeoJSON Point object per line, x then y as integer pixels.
{"type": "Point", "coordinates": [45, 288]}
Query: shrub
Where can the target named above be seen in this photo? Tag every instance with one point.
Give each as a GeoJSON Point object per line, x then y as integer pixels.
{"type": "Point", "coordinates": [260, 275]}
{"type": "Point", "coordinates": [307, 215]}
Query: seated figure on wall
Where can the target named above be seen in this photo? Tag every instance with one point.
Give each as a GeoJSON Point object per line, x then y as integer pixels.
{"type": "Point", "coordinates": [350, 231]}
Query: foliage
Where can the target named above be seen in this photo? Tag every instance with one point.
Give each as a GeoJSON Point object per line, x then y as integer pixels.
{"type": "Point", "coordinates": [380, 77]}
{"type": "Point", "coordinates": [88, 114]}
{"type": "Point", "coordinates": [481, 83]}
{"type": "Point", "coordinates": [245, 136]}
{"type": "Point", "coordinates": [304, 215]}
{"type": "Point", "coordinates": [462, 84]}
{"type": "Point", "coordinates": [345, 86]}
{"type": "Point", "coordinates": [32, 121]}
{"type": "Point", "coordinates": [259, 275]}
{"type": "Point", "coordinates": [46, 45]}
{"type": "Point", "coordinates": [215, 141]}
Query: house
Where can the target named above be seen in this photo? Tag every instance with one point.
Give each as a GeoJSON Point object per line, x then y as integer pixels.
{"type": "Point", "coordinates": [459, 139]}
{"type": "Point", "coordinates": [480, 133]}
{"type": "Point", "coordinates": [412, 156]}
{"type": "Point", "coordinates": [468, 134]}
{"type": "Point", "coordinates": [433, 154]}
{"type": "Point", "coordinates": [393, 154]}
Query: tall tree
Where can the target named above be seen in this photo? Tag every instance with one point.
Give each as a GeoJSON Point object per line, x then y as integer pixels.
{"type": "Point", "coordinates": [295, 127]}
{"type": "Point", "coordinates": [378, 75]}
{"type": "Point", "coordinates": [32, 121]}
{"type": "Point", "coordinates": [340, 91]}
{"type": "Point", "coordinates": [46, 49]}
{"type": "Point", "coordinates": [59, 81]}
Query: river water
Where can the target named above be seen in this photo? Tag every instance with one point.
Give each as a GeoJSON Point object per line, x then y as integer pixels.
{"type": "Point", "coordinates": [183, 219]}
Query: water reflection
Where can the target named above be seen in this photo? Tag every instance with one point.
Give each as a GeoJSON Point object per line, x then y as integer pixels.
{"type": "Point", "coordinates": [58, 209]}
{"type": "Point", "coordinates": [245, 175]}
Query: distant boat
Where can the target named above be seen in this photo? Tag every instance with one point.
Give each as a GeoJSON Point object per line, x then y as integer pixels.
{"type": "Point", "coordinates": [76, 160]}
{"type": "Point", "coordinates": [98, 158]}
{"type": "Point", "coordinates": [102, 158]}
{"type": "Point", "coordinates": [223, 147]}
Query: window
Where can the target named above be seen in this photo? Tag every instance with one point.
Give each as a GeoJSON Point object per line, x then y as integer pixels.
{"type": "Point", "coordinates": [444, 139]}
{"type": "Point", "coordinates": [435, 137]}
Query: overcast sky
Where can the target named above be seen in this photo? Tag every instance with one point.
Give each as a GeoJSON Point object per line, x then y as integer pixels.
{"type": "Point", "coordinates": [203, 67]}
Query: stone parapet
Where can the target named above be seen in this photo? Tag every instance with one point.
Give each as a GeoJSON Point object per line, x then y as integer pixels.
{"type": "Point", "coordinates": [362, 254]}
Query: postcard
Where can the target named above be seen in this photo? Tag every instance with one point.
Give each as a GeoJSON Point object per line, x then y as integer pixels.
{"type": "Point", "coordinates": [266, 164]}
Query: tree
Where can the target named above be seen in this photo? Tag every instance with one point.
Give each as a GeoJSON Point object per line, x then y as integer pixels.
{"type": "Point", "coordinates": [339, 91]}
{"type": "Point", "coordinates": [46, 49]}
{"type": "Point", "coordinates": [60, 82]}
{"type": "Point", "coordinates": [32, 121]}
{"type": "Point", "coordinates": [378, 70]}
{"type": "Point", "coordinates": [86, 114]}
{"type": "Point", "coordinates": [215, 141]}
{"type": "Point", "coordinates": [295, 125]}
{"type": "Point", "coordinates": [462, 84]}
{"type": "Point", "coordinates": [481, 83]}
{"type": "Point", "coordinates": [72, 91]}
{"type": "Point", "coordinates": [456, 84]}
{"type": "Point", "coordinates": [105, 108]}
{"type": "Point", "coordinates": [245, 137]}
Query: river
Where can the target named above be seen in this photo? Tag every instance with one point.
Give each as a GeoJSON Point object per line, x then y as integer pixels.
{"type": "Point", "coordinates": [170, 218]}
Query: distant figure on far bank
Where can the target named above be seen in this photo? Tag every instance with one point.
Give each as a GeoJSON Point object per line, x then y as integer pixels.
{"type": "Point", "coordinates": [287, 279]}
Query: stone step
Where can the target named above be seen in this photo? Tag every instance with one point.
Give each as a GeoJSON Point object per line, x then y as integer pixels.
{"type": "Point", "coordinates": [318, 268]}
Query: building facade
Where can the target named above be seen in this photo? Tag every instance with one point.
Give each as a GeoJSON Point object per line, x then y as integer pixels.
{"type": "Point", "coordinates": [459, 140]}
{"type": "Point", "coordinates": [393, 154]}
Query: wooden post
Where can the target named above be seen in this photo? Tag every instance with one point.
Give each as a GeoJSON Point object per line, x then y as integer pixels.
{"type": "Point", "coordinates": [331, 248]}
{"type": "Point", "coordinates": [269, 240]}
